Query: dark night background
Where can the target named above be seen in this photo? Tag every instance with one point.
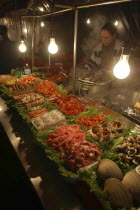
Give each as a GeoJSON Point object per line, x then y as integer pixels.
{"type": "Point", "coordinates": [127, 14]}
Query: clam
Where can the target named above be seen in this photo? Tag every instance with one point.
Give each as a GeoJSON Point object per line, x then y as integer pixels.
{"type": "Point", "coordinates": [118, 195]}
{"type": "Point", "coordinates": [109, 169]}
{"type": "Point", "coordinates": [131, 181]}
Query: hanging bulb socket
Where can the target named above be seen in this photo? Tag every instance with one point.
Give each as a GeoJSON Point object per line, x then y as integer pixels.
{"type": "Point", "coordinates": [22, 38]}
{"type": "Point", "coordinates": [126, 48]}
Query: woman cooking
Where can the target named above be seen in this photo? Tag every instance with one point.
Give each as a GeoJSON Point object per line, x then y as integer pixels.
{"type": "Point", "coordinates": [107, 53]}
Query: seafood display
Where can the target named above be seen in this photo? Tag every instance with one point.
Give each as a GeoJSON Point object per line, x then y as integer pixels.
{"type": "Point", "coordinates": [49, 120]}
{"type": "Point", "coordinates": [68, 105]}
{"type": "Point", "coordinates": [109, 169]}
{"type": "Point", "coordinates": [121, 190]}
{"type": "Point", "coordinates": [80, 155]}
{"type": "Point", "coordinates": [82, 138]}
{"type": "Point", "coordinates": [25, 84]}
{"type": "Point", "coordinates": [61, 99]}
{"type": "Point", "coordinates": [117, 193]}
{"type": "Point", "coordinates": [131, 181]}
{"type": "Point", "coordinates": [8, 79]}
{"type": "Point", "coordinates": [37, 113]}
{"type": "Point", "coordinates": [72, 108]}
{"type": "Point", "coordinates": [70, 141]}
{"type": "Point", "coordinates": [47, 89]}
{"type": "Point", "coordinates": [57, 78]}
{"type": "Point", "coordinates": [30, 100]}
{"type": "Point", "coordinates": [89, 122]}
{"type": "Point", "coordinates": [129, 150]}
{"type": "Point", "coordinates": [107, 131]}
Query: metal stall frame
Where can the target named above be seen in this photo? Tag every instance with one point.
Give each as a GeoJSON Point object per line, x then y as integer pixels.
{"type": "Point", "coordinates": [69, 8]}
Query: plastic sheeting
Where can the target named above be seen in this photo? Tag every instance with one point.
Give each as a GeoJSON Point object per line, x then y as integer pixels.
{"type": "Point", "coordinates": [16, 28]}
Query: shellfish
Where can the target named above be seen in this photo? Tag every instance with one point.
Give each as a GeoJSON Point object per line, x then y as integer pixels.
{"type": "Point", "coordinates": [118, 195]}
{"type": "Point", "coordinates": [131, 181]}
{"type": "Point", "coordinates": [109, 169]}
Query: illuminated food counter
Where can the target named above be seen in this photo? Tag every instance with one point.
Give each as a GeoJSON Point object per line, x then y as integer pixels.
{"type": "Point", "coordinates": [70, 145]}
{"type": "Point", "coordinates": [51, 189]}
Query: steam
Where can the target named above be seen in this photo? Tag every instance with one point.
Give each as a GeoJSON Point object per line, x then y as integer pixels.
{"type": "Point", "coordinates": [89, 42]}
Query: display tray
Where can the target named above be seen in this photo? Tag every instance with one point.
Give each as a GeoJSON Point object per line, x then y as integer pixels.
{"type": "Point", "coordinates": [97, 77]}
{"type": "Point", "coordinates": [106, 110]}
{"type": "Point", "coordinates": [53, 186]}
{"type": "Point", "coordinates": [85, 201]}
{"type": "Point", "coordinates": [132, 114]}
{"type": "Point", "coordinates": [132, 118]}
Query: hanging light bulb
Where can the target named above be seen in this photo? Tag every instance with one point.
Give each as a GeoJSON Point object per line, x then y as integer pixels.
{"type": "Point", "coordinates": [22, 46]}
{"type": "Point", "coordinates": [122, 68]}
{"type": "Point", "coordinates": [25, 30]}
{"type": "Point", "coordinates": [88, 21]}
{"type": "Point", "coordinates": [116, 23]}
{"type": "Point", "coordinates": [41, 9]}
{"type": "Point", "coordinates": [52, 48]}
{"type": "Point", "coordinates": [42, 24]}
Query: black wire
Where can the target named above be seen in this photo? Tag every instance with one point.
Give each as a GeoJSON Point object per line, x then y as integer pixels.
{"type": "Point", "coordinates": [127, 45]}
{"type": "Point", "coordinates": [52, 21]}
{"type": "Point", "coordinates": [21, 27]}
{"type": "Point", "coordinates": [22, 36]}
{"type": "Point", "coordinates": [130, 22]}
